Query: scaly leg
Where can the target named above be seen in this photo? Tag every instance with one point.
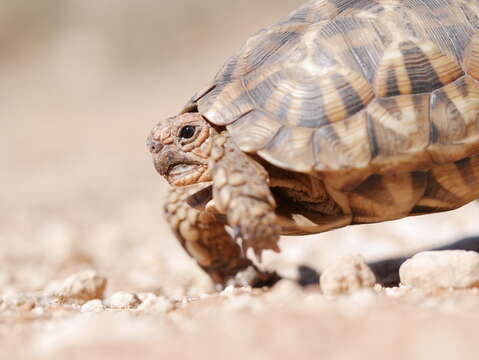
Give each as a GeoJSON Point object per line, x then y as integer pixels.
{"type": "Point", "coordinates": [241, 191]}
{"type": "Point", "coordinates": [203, 236]}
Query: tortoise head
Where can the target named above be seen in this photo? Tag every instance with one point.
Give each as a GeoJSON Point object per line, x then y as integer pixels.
{"type": "Point", "coordinates": [180, 147]}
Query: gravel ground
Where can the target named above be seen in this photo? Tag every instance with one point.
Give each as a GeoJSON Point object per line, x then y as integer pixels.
{"type": "Point", "coordinates": [88, 268]}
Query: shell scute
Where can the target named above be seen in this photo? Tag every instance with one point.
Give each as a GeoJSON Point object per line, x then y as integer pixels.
{"type": "Point", "coordinates": [264, 48]}
{"type": "Point", "coordinates": [399, 131]}
{"type": "Point", "coordinates": [414, 67]}
{"type": "Point", "coordinates": [253, 131]}
{"type": "Point", "coordinates": [302, 98]}
{"type": "Point", "coordinates": [387, 197]}
{"type": "Point", "coordinates": [299, 144]}
{"type": "Point", "coordinates": [455, 120]}
{"type": "Point", "coordinates": [225, 103]}
{"type": "Point", "coordinates": [450, 186]}
{"type": "Point", "coordinates": [343, 152]}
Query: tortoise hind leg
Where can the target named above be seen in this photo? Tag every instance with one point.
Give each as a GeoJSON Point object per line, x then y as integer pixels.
{"type": "Point", "coordinates": [204, 237]}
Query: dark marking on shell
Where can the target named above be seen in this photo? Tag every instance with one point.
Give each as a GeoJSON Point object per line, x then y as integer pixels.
{"type": "Point", "coordinates": [422, 75]}
{"type": "Point", "coordinates": [349, 96]}
{"type": "Point", "coordinates": [373, 143]}
{"type": "Point", "coordinates": [392, 83]}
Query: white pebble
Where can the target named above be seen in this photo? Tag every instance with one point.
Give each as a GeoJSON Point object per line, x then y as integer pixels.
{"type": "Point", "coordinates": [16, 300]}
{"type": "Point", "coordinates": [123, 300]}
{"type": "Point", "coordinates": [456, 269]}
{"type": "Point", "coordinates": [347, 275]}
{"type": "Point", "coordinates": [145, 296]}
{"type": "Point", "coordinates": [84, 286]}
{"type": "Point", "coordinates": [228, 291]}
{"type": "Point", "coordinates": [156, 304]}
{"type": "Point", "coordinates": [38, 311]}
{"type": "Point", "coordinates": [93, 306]}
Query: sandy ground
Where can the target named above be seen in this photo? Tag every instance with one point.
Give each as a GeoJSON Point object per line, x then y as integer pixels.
{"type": "Point", "coordinates": [79, 94]}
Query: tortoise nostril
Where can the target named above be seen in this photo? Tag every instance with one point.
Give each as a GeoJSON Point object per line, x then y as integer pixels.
{"type": "Point", "coordinates": [154, 146]}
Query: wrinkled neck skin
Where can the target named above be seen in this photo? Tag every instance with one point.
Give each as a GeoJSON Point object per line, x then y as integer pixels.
{"type": "Point", "coordinates": [182, 161]}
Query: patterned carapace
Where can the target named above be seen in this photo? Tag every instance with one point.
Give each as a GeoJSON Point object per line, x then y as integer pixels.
{"type": "Point", "coordinates": [349, 88]}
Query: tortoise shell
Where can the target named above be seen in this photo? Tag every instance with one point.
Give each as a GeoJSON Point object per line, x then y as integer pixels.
{"type": "Point", "coordinates": [349, 90]}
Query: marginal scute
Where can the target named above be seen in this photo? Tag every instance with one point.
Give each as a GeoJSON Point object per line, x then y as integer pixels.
{"type": "Point", "coordinates": [342, 151]}
{"type": "Point", "coordinates": [225, 103]}
{"type": "Point", "coordinates": [398, 130]}
{"type": "Point", "coordinates": [253, 131]}
{"type": "Point", "coordinates": [414, 67]}
{"type": "Point", "coordinates": [451, 185]}
{"type": "Point", "coordinates": [455, 121]}
{"type": "Point", "coordinates": [454, 178]}
{"type": "Point", "coordinates": [191, 105]}
{"type": "Point", "coordinates": [387, 197]}
{"type": "Point", "coordinates": [292, 149]}
{"type": "Point", "coordinates": [471, 58]}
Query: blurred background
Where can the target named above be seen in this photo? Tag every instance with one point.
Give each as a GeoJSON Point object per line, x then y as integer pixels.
{"type": "Point", "coordinates": [81, 84]}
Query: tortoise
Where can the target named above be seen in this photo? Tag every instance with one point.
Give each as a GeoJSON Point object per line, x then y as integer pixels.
{"type": "Point", "coordinates": [344, 112]}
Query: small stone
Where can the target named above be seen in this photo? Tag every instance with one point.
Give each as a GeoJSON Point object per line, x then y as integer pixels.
{"type": "Point", "coordinates": [228, 291]}
{"type": "Point", "coordinates": [457, 269]}
{"type": "Point", "coordinates": [93, 306]}
{"type": "Point", "coordinates": [155, 304]}
{"type": "Point", "coordinates": [347, 275]}
{"type": "Point", "coordinates": [16, 300]}
{"type": "Point", "coordinates": [19, 301]}
{"type": "Point", "coordinates": [38, 311]}
{"type": "Point", "coordinates": [29, 305]}
{"type": "Point", "coordinates": [123, 300]}
{"type": "Point", "coordinates": [81, 287]}
{"type": "Point", "coordinates": [144, 296]}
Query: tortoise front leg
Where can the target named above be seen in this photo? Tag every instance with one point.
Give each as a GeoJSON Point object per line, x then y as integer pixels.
{"type": "Point", "coordinates": [241, 191]}
{"type": "Point", "coordinates": [204, 237]}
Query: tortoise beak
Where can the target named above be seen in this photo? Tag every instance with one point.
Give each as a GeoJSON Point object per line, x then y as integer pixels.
{"type": "Point", "coordinates": [164, 160]}
{"type": "Point", "coordinates": [175, 167]}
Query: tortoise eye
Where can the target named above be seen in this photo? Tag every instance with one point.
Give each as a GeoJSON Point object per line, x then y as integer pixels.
{"type": "Point", "coordinates": [187, 131]}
